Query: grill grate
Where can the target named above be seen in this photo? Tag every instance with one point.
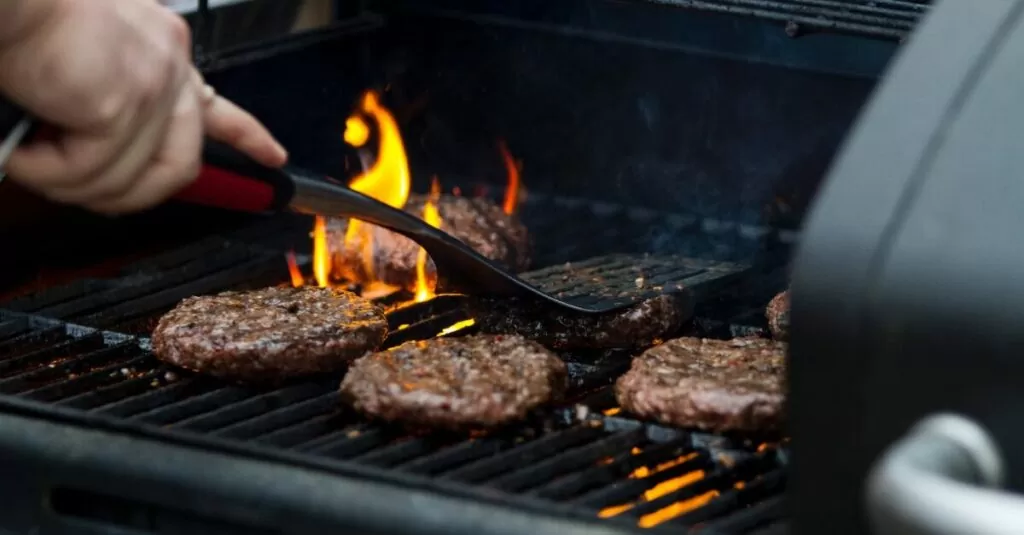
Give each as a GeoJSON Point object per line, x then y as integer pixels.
{"type": "Point", "coordinates": [587, 463]}
{"type": "Point", "coordinates": [87, 359]}
{"type": "Point", "coordinates": [891, 19]}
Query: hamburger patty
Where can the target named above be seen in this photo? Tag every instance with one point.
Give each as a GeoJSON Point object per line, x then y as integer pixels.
{"type": "Point", "coordinates": [716, 385]}
{"type": "Point", "coordinates": [269, 333]}
{"type": "Point", "coordinates": [480, 224]}
{"type": "Point", "coordinates": [637, 326]}
{"type": "Point", "coordinates": [454, 383]}
{"type": "Point", "coordinates": [777, 313]}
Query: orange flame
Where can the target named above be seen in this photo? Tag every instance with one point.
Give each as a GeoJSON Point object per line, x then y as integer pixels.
{"type": "Point", "coordinates": [293, 270]}
{"type": "Point", "coordinates": [432, 217]}
{"type": "Point", "coordinates": [512, 190]}
{"type": "Point", "coordinates": [387, 180]}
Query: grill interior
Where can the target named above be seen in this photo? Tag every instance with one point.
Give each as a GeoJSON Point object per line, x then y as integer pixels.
{"type": "Point", "coordinates": [83, 348]}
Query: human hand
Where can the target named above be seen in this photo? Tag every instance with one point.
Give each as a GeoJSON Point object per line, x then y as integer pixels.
{"type": "Point", "coordinates": [129, 111]}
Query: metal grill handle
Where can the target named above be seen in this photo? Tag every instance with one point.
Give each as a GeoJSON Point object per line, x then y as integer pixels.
{"type": "Point", "coordinates": [940, 479]}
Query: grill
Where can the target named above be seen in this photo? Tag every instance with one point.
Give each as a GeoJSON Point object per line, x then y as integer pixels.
{"type": "Point", "coordinates": [81, 350]}
{"type": "Point", "coordinates": [701, 186]}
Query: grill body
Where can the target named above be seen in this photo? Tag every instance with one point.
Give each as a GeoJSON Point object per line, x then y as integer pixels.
{"type": "Point", "coordinates": [689, 137]}
{"type": "Point", "coordinates": [915, 306]}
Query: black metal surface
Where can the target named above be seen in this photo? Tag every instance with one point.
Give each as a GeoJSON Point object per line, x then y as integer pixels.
{"type": "Point", "coordinates": [568, 463]}
{"type": "Point", "coordinates": [926, 287]}
{"type": "Point", "coordinates": [891, 19]}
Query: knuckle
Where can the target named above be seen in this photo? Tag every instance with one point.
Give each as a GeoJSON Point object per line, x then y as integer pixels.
{"type": "Point", "coordinates": [108, 107]}
{"type": "Point", "coordinates": [179, 31]}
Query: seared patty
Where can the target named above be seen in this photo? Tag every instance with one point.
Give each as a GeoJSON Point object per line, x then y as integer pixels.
{"type": "Point", "coordinates": [716, 385]}
{"type": "Point", "coordinates": [777, 314]}
{"type": "Point", "coordinates": [480, 224]}
{"type": "Point", "coordinates": [455, 383]}
{"type": "Point", "coordinates": [270, 333]}
{"type": "Point", "coordinates": [637, 326]}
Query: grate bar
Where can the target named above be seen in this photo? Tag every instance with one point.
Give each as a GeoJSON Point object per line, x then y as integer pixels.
{"type": "Point", "coordinates": [461, 453]}
{"type": "Point", "coordinates": [140, 288]}
{"type": "Point", "coordinates": [350, 442]}
{"type": "Point", "coordinates": [113, 366]}
{"type": "Point", "coordinates": [620, 466]}
{"type": "Point", "coordinates": [52, 297]}
{"type": "Point", "coordinates": [815, 16]}
{"type": "Point", "coordinates": [310, 429]}
{"type": "Point", "coordinates": [746, 500]}
{"type": "Point", "coordinates": [628, 490]}
{"type": "Point", "coordinates": [24, 344]}
{"type": "Point", "coordinates": [251, 272]}
{"type": "Point", "coordinates": [50, 360]}
{"type": "Point", "coordinates": [404, 450]}
{"type": "Point", "coordinates": [119, 391]}
{"type": "Point", "coordinates": [540, 448]}
{"type": "Point", "coordinates": [573, 459]}
{"type": "Point", "coordinates": [718, 479]}
{"type": "Point", "coordinates": [289, 414]}
{"type": "Point", "coordinates": [220, 415]}
{"type": "Point", "coordinates": [12, 327]}
{"type": "Point", "coordinates": [187, 408]}
{"type": "Point", "coordinates": [182, 389]}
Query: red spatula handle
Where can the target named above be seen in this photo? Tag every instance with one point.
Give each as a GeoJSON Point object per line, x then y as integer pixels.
{"type": "Point", "coordinates": [231, 180]}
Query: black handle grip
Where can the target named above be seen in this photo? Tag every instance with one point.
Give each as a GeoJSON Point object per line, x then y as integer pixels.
{"type": "Point", "coordinates": [231, 180]}
{"type": "Point", "coordinates": [10, 115]}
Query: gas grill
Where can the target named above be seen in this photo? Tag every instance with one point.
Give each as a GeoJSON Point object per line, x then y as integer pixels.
{"type": "Point", "coordinates": [98, 436]}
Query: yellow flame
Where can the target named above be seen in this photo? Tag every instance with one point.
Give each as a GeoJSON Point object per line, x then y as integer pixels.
{"type": "Point", "coordinates": [457, 327]}
{"type": "Point", "coordinates": [433, 218]}
{"type": "Point", "coordinates": [321, 258]}
{"type": "Point", "coordinates": [388, 179]}
{"type": "Point", "coordinates": [357, 132]}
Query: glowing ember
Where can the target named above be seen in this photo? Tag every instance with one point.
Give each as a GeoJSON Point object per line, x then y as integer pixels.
{"type": "Point", "coordinates": [298, 280]}
{"type": "Point", "coordinates": [431, 216]}
{"type": "Point", "coordinates": [612, 411]}
{"type": "Point", "coordinates": [661, 489]}
{"type": "Point", "coordinates": [676, 509]}
{"type": "Point", "coordinates": [512, 190]}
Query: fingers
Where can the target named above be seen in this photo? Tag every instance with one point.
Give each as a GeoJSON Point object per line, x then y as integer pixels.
{"type": "Point", "coordinates": [226, 122]}
{"type": "Point", "coordinates": [175, 164]}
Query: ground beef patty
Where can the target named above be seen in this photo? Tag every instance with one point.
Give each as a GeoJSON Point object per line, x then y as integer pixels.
{"type": "Point", "coordinates": [777, 314]}
{"type": "Point", "coordinates": [270, 333]}
{"type": "Point", "coordinates": [455, 383]}
{"type": "Point", "coordinates": [637, 326]}
{"type": "Point", "coordinates": [479, 223]}
{"type": "Point", "coordinates": [716, 385]}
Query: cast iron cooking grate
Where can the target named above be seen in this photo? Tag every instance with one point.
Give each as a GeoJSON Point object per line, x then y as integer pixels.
{"type": "Point", "coordinates": [576, 458]}
{"type": "Point", "coordinates": [891, 19]}
{"type": "Point", "coordinates": [573, 460]}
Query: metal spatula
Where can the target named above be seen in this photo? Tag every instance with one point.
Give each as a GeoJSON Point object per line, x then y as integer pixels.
{"type": "Point", "coordinates": [233, 181]}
